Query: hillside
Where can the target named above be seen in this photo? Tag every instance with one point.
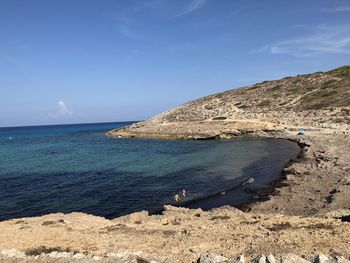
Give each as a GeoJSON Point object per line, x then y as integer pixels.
{"type": "Point", "coordinates": [318, 100]}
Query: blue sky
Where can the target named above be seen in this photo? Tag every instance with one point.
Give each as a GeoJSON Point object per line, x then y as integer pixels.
{"type": "Point", "coordinates": [71, 61]}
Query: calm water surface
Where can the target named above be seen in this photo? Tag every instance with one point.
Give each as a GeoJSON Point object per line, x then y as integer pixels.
{"type": "Point", "coordinates": [67, 168]}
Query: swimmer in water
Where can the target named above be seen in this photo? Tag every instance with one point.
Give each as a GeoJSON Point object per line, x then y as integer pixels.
{"type": "Point", "coordinates": [183, 193]}
{"type": "Point", "coordinates": [177, 199]}
{"type": "Point", "coordinates": [249, 181]}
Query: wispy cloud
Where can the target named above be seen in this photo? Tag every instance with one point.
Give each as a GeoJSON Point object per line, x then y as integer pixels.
{"type": "Point", "coordinates": [323, 39]}
{"type": "Point", "coordinates": [131, 55]}
{"type": "Point", "coordinates": [62, 110]}
{"type": "Point", "coordinates": [337, 9]}
{"type": "Point", "coordinates": [127, 25]}
{"type": "Point", "coordinates": [124, 26]}
{"type": "Point", "coordinates": [193, 6]}
{"type": "Point", "coordinates": [17, 64]}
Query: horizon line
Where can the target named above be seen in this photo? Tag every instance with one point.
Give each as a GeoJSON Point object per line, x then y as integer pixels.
{"type": "Point", "coordinates": [64, 124]}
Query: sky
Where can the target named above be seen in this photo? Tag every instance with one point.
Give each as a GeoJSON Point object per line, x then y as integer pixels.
{"type": "Point", "coordinates": [78, 61]}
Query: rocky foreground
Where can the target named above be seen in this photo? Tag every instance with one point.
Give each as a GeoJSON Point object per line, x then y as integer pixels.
{"type": "Point", "coordinates": [304, 218]}
{"type": "Point", "coordinates": [178, 235]}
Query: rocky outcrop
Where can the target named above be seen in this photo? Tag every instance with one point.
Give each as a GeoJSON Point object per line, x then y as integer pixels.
{"type": "Point", "coordinates": [178, 235]}
{"type": "Point", "coordinates": [208, 257]}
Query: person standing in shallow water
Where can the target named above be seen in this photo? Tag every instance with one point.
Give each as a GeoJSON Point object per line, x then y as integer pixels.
{"type": "Point", "coordinates": [177, 199]}
{"type": "Point", "coordinates": [183, 193]}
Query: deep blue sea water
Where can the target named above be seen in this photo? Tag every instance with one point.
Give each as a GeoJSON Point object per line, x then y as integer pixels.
{"type": "Point", "coordinates": [65, 168]}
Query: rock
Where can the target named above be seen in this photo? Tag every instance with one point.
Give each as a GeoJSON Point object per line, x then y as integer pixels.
{"type": "Point", "coordinates": [239, 259]}
{"type": "Point", "coordinates": [136, 217]}
{"type": "Point", "coordinates": [53, 254]}
{"type": "Point", "coordinates": [260, 259]}
{"type": "Point", "coordinates": [340, 259]}
{"type": "Point", "coordinates": [321, 259]}
{"type": "Point", "coordinates": [62, 255]}
{"type": "Point", "coordinates": [271, 259]}
{"type": "Point", "coordinates": [12, 253]}
{"type": "Point", "coordinates": [346, 168]}
{"type": "Point", "coordinates": [292, 258]}
{"type": "Point", "coordinates": [79, 256]}
{"type": "Point", "coordinates": [211, 258]}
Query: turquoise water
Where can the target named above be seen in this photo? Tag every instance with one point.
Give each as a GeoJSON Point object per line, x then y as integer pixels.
{"type": "Point", "coordinates": [67, 168]}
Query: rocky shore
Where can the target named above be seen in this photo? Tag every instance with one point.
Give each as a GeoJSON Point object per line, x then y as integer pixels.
{"type": "Point", "coordinates": [178, 235]}
{"type": "Point", "coordinates": [304, 218]}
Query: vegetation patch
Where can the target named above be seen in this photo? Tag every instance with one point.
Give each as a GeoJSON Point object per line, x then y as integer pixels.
{"type": "Point", "coordinates": [46, 250]}
{"type": "Point", "coordinates": [265, 103]}
{"type": "Point", "coordinates": [169, 233]}
{"type": "Point", "coordinates": [219, 118]}
{"type": "Point", "coordinates": [279, 227]}
{"type": "Point", "coordinates": [341, 72]}
{"type": "Point", "coordinates": [345, 218]}
{"type": "Point", "coordinates": [322, 99]}
{"type": "Point", "coordinates": [276, 88]}
{"type": "Point", "coordinates": [47, 223]}
{"type": "Point", "coordinates": [255, 87]}
{"type": "Point", "coordinates": [207, 107]}
{"type": "Point", "coordinates": [141, 260]}
{"type": "Point", "coordinates": [224, 217]}
{"type": "Point", "coordinates": [319, 226]}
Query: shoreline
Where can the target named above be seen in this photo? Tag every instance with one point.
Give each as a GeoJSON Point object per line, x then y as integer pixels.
{"type": "Point", "coordinates": [183, 234]}
{"type": "Point", "coordinates": [314, 145]}
{"type": "Point", "coordinates": [260, 194]}
{"type": "Point", "coordinates": [306, 212]}
{"type": "Point", "coordinates": [265, 192]}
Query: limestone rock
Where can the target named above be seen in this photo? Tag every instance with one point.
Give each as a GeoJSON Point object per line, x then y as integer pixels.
{"type": "Point", "coordinates": [321, 259]}
{"type": "Point", "coordinates": [339, 259]}
{"type": "Point", "coordinates": [292, 258]}
{"type": "Point", "coordinates": [271, 259]}
{"type": "Point", "coordinates": [260, 259]}
{"type": "Point", "coordinates": [12, 253]}
{"type": "Point", "coordinates": [212, 258]}
{"type": "Point", "coordinates": [239, 259]}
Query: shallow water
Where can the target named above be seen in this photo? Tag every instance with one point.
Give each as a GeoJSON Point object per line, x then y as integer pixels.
{"type": "Point", "coordinates": [66, 168]}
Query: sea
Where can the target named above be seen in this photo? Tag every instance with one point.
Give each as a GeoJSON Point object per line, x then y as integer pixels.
{"type": "Point", "coordinates": [66, 168]}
